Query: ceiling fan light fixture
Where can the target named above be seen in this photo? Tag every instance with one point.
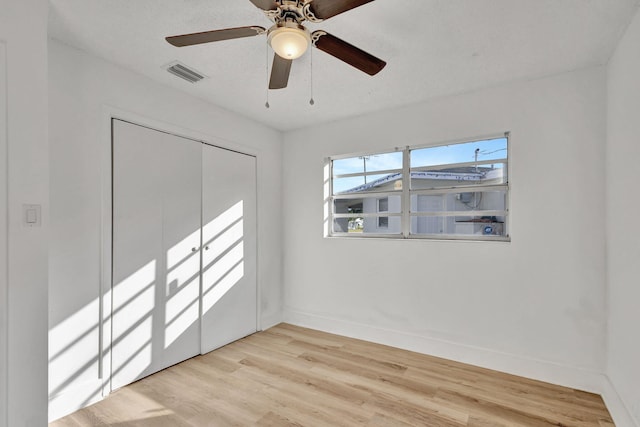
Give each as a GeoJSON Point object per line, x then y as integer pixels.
{"type": "Point", "coordinates": [289, 41]}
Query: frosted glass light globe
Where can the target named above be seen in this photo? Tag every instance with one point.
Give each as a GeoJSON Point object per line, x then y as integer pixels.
{"type": "Point", "coordinates": [288, 42]}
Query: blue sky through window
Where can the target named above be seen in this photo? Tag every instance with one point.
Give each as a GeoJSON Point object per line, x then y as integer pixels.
{"type": "Point", "coordinates": [490, 149]}
{"type": "Point", "coordinates": [373, 162]}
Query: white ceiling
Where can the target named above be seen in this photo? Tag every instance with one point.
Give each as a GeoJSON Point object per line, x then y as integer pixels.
{"type": "Point", "coordinates": [432, 47]}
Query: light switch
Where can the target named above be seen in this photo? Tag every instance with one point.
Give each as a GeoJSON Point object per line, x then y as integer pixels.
{"type": "Point", "coordinates": [31, 216]}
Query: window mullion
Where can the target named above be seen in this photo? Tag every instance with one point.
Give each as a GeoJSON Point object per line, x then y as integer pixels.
{"type": "Point", "coordinates": [462, 213]}
{"type": "Point", "coordinates": [331, 199]}
{"type": "Point", "coordinates": [406, 194]}
{"type": "Point", "coordinates": [461, 189]}
{"type": "Point", "coordinates": [369, 173]}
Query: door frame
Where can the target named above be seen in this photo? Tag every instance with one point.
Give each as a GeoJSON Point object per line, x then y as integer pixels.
{"type": "Point", "coordinates": [4, 246]}
{"type": "Point", "coordinates": [110, 113]}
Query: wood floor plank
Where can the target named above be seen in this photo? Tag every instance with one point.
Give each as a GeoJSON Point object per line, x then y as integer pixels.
{"type": "Point", "coordinates": [293, 376]}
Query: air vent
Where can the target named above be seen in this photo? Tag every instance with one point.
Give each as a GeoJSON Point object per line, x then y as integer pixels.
{"type": "Point", "coordinates": [184, 72]}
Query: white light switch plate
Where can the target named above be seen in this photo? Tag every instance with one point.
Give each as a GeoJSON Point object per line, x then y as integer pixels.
{"type": "Point", "coordinates": [31, 215]}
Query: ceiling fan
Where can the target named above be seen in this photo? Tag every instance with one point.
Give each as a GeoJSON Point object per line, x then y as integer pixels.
{"type": "Point", "coordinates": [290, 39]}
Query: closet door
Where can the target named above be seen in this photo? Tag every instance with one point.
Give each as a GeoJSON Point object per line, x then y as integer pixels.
{"type": "Point", "coordinates": [229, 299]}
{"type": "Point", "coordinates": [156, 251]}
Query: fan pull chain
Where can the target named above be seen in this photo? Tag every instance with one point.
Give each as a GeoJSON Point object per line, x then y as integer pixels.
{"type": "Point", "coordinates": [311, 101]}
{"type": "Point", "coordinates": [266, 45]}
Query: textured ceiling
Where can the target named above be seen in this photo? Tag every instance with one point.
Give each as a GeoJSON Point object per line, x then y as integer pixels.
{"type": "Point", "coordinates": [432, 47]}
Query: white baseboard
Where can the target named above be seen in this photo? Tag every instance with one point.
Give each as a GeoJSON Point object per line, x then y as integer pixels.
{"type": "Point", "coordinates": [270, 320]}
{"type": "Point", "coordinates": [616, 406]}
{"type": "Point", "coordinates": [554, 373]}
{"type": "Point", "coordinates": [70, 401]}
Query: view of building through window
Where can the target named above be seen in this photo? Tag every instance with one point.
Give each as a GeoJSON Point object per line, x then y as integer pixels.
{"type": "Point", "coordinates": [450, 191]}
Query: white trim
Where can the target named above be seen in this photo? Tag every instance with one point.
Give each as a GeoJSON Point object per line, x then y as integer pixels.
{"type": "Point", "coordinates": [457, 165]}
{"type": "Point", "coordinates": [104, 327]}
{"type": "Point", "coordinates": [542, 370]}
{"type": "Point", "coordinates": [259, 322]}
{"type": "Point", "coordinates": [370, 194]}
{"type": "Point", "coordinates": [405, 205]}
{"type": "Point", "coordinates": [365, 153]}
{"type": "Point", "coordinates": [617, 408]}
{"type": "Point", "coordinates": [397, 235]}
{"type": "Point", "coordinates": [442, 238]}
{"type": "Point", "coordinates": [270, 321]}
{"type": "Point", "coordinates": [458, 189]}
{"type": "Point", "coordinates": [369, 173]}
{"type": "Point", "coordinates": [110, 112]}
{"type": "Point", "coordinates": [462, 213]}
{"type": "Point", "coordinates": [365, 215]}
{"type": "Point", "coordinates": [464, 237]}
{"type": "Point", "coordinates": [4, 251]}
{"type": "Point", "coordinates": [70, 401]}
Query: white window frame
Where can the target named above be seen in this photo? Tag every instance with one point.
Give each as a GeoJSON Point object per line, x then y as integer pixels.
{"type": "Point", "coordinates": [406, 192]}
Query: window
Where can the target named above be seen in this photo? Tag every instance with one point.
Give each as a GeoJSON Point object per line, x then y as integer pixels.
{"type": "Point", "coordinates": [365, 191]}
{"type": "Point", "coordinates": [383, 206]}
{"type": "Point", "coordinates": [452, 191]}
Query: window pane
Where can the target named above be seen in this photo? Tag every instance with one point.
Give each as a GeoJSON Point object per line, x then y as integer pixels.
{"type": "Point", "coordinates": [381, 162]}
{"type": "Point", "coordinates": [357, 184]}
{"type": "Point", "coordinates": [442, 225]}
{"type": "Point", "coordinates": [463, 201]}
{"type": "Point", "coordinates": [370, 163]}
{"type": "Point", "coordinates": [460, 153]}
{"type": "Point", "coordinates": [367, 205]}
{"type": "Point", "coordinates": [445, 177]}
{"type": "Point", "coordinates": [343, 185]}
{"type": "Point", "coordinates": [348, 206]}
{"type": "Point", "coordinates": [392, 225]}
{"type": "Point", "coordinates": [383, 204]}
{"type": "Point", "coordinates": [348, 225]}
{"type": "Point", "coordinates": [368, 225]}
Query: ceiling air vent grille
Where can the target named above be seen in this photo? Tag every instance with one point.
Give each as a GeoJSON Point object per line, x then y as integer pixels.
{"type": "Point", "coordinates": [184, 72]}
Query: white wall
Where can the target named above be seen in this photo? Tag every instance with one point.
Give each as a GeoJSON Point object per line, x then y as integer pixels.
{"type": "Point", "coordinates": [3, 235]}
{"type": "Point", "coordinates": [24, 169]}
{"type": "Point", "coordinates": [82, 90]}
{"type": "Point", "coordinates": [534, 306]}
{"type": "Point", "coordinates": [623, 235]}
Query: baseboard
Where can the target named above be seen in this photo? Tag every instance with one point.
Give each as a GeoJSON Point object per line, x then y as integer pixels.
{"type": "Point", "coordinates": [621, 415]}
{"type": "Point", "coordinates": [270, 320]}
{"type": "Point", "coordinates": [550, 372]}
{"type": "Point", "coordinates": [70, 401]}
{"type": "Point", "coordinates": [554, 373]}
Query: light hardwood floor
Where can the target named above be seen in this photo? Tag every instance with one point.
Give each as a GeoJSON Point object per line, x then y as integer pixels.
{"type": "Point", "coordinates": [291, 376]}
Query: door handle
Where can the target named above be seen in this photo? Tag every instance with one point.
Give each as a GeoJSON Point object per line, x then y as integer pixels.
{"type": "Point", "coordinates": [193, 249]}
{"type": "Point", "coordinates": [206, 248]}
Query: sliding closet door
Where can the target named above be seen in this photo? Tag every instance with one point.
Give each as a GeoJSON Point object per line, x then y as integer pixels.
{"type": "Point", "coordinates": [156, 251]}
{"type": "Point", "coordinates": [229, 239]}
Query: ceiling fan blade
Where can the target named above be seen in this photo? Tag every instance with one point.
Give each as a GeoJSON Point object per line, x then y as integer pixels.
{"type": "Point", "coordinates": [280, 72]}
{"type": "Point", "coordinates": [325, 9]}
{"type": "Point", "coordinates": [265, 4]}
{"type": "Point", "coordinates": [214, 36]}
{"type": "Point", "coordinates": [348, 53]}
